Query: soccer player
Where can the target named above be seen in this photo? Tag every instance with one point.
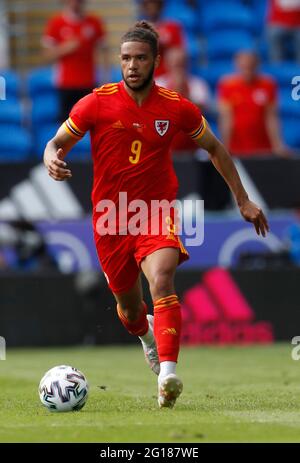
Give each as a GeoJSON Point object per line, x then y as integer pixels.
{"type": "Point", "coordinates": [132, 124]}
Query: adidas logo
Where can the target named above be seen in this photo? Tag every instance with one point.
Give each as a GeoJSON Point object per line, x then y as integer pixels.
{"type": "Point", "coordinates": [40, 198]}
{"type": "Point", "coordinates": [118, 125]}
{"type": "Point", "coordinates": [170, 331]}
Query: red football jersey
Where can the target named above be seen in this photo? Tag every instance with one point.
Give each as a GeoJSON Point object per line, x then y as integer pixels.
{"type": "Point", "coordinates": [131, 143]}
{"type": "Point", "coordinates": [284, 13]}
{"type": "Point", "coordinates": [77, 69]}
{"type": "Point", "coordinates": [248, 102]}
{"type": "Point", "coordinates": [171, 35]}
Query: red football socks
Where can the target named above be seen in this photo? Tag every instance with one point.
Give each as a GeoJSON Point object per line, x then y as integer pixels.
{"type": "Point", "coordinates": [140, 326]}
{"type": "Point", "coordinates": [167, 327]}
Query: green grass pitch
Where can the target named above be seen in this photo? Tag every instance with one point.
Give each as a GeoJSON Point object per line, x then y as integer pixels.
{"type": "Point", "coordinates": [232, 394]}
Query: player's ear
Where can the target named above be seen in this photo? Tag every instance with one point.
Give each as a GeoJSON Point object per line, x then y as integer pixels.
{"type": "Point", "coordinates": [157, 61]}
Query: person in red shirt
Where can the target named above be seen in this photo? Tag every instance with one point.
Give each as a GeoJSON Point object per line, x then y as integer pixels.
{"type": "Point", "coordinates": [70, 39]}
{"type": "Point", "coordinates": [171, 34]}
{"type": "Point", "coordinates": [248, 118]}
{"type": "Point", "coordinates": [190, 86]}
{"type": "Point", "coordinates": [132, 124]}
{"type": "Point", "coordinates": [283, 27]}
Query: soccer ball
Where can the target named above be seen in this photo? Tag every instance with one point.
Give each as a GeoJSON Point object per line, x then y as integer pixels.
{"type": "Point", "coordinates": [63, 389]}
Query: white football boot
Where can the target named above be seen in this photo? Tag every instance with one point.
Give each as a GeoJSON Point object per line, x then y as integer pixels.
{"type": "Point", "coordinates": [151, 355]}
{"type": "Point", "coordinates": [169, 389]}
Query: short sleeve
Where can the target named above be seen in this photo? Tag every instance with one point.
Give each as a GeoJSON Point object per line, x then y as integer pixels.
{"type": "Point", "coordinates": [51, 33]}
{"type": "Point", "coordinates": [192, 121]}
{"type": "Point", "coordinates": [82, 117]}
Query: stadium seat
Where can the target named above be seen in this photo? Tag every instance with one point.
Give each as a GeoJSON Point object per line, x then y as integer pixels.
{"type": "Point", "coordinates": [223, 45]}
{"type": "Point", "coordinates": [10, 112]}
{"type": "Point", "coordinates": [288, 107]}
{"type": "Point", "coordinates": [41, 81]}
{"type": "Point", "coordinates": [12, 84]}
{"type": "Point", "coordinates": [194, 51]}
{"type": "Point", "coordinates": [283, 72]}
{"type": "Point", "coordinates": [290, 132]}
{"type": "Point", "coordinates": [184, 14]}
{"type": "Point", "coordinates": [115, 74]}
{"type": "Point", "coordinates": [82, 150]}
{"type": "Point", "coordinates": [45, 109]}
{"type": "Point", "coordinates": [238, 18]}
{"type": "Point", "coordinates": [42, 136]}
{"type": "Point", "coordinates": [213, 73]}
{"type": "Point", "coordinates": [15, 143]}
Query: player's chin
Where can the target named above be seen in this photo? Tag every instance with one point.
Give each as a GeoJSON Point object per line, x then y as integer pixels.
{"type": "Point", "coordinates": [135, 84]}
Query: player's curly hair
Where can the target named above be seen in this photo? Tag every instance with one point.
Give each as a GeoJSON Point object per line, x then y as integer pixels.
{"type": "Point", "coordinates": [143, 31]}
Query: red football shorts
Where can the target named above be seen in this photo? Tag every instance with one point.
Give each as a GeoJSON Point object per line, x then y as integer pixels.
{"type": "Point", "coordinates": [121, 256]}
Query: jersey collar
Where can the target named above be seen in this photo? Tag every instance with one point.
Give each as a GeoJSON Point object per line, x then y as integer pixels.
{"type": "Point", "coordinates": [129, 99]}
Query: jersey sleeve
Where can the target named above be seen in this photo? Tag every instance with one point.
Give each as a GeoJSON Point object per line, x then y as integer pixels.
{"type": "Point", "coordinates": [192, 121]}
{"type": "Point", "coordinates": [51, 32]}
{"type": "Point", "coordinates": [82, 117]}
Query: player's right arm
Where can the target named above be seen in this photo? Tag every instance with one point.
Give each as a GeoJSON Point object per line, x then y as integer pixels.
{"type": "Point", "coordinates": [56, 150]}
{"type": "Point", "coordinates": [81, 120]}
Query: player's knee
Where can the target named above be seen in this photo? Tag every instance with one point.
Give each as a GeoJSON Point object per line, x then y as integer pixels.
{"type": "Point", "coordinates": [132, 313]}
{"type": "Point", "coordinates": [161, 284]}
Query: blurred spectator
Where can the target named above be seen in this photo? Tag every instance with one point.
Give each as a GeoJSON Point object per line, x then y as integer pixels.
{"type": "Point", "coordinates": [284, 30]}
{"type": "Point", "coordinates": [171, 33]}
{"type": "Point", "coordinates": [71, 40]}
{"type": "Point", "coordinates": [248, 118]}
{"type": "Point", "coordinates": [28, 245]}
{"type": "Point", "coordinates": [192, 87]}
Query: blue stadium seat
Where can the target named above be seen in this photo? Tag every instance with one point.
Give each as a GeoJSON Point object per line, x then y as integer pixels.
{"type": "Point", "coordinates": [41, 137]}
{"type": "Point", "coordinates": [82, 150]}
{"type": "Point", "coordinates": [238, 17]}
{"type": "Point", "coordinates": [115, 74]}
{"type": "Point", "coordinates": [41, 81]}
{"type": "Point", "coordinates": [184, 14]}
{"type": "Point", "coordinates": [45, 109]}
{"type": "Point", "coordinates": [283, 72]}
{"type": "Point", "coordinates": [213, 73]}
{"type": "Point", "coordinates": [288, 107]}
{"type": "Point", "coordinates": [11, 83]}
{"type": "Point", "coordinates": [10, 112]}
{"type": "Point", "coordinates": [15, 144]}
{"type": "Point", "coordinates": [223, 45]}
{"type": "Point", "coordinates": [291, 132]}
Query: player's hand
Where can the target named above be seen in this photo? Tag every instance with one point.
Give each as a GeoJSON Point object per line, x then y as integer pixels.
{"type": "Point", "coordinates": [57, 167]}
{"type": "Point", "coordinates": [69, 46]}
{"type": "Point", "coordinates": [254, 214]}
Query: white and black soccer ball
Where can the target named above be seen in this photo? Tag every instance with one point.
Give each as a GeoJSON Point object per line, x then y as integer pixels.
{"type": "Point", "coordinates": [63, 389]}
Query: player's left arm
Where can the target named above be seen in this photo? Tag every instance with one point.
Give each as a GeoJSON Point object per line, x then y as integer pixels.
{"type": "Point", "coordinates": [225, 166]}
